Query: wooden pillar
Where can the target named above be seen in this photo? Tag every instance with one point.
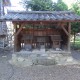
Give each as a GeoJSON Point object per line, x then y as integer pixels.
{"type": "Point", "coordinates": [17, 44]}
{"type": "Point", "coordinates": [69, 31]}
{"type": "Point", "coordinates": [18, 37]}
{"type": "Point", "coordinates": [15, 38]}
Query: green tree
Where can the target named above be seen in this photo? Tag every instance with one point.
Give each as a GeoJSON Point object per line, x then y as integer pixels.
{"type": "Point", "coordinates": [75, 26]}
{"type": "Point", "coordinates": [60, 6]}
{"type": "Point", "coordinates": [76, 8]}
{"type": "Point", "coordinates": [38, 5]}
{"type": "Point", "coordinates": [44, 5]}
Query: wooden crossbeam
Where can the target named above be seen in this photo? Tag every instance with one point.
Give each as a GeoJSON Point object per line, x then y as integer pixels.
{"type": "Point", "coordinates": [19, 30]}
{"type": "Point", "coordinates": [65, 30]}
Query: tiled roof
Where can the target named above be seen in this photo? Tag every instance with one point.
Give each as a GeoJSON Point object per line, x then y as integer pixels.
{"type": "Point", "coordinates": [40, 15]}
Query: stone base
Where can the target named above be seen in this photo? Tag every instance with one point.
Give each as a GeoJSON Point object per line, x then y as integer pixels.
{"type": "Point", "coordinates": [41, 58]}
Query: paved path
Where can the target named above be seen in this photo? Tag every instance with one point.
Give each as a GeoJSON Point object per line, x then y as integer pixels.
{"type": "Point", "coordinates": [53, 72]}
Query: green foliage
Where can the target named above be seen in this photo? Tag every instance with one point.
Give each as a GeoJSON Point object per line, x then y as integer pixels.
{"type": "Point", "coordinates": [39, 5]}
{"type": "Point", "coordinates": [76, 46]}
{"type": "Point", "coordinates": [76, 8]}
{"type": "Point", "coordinates": [75, 27]}
{"type": "Point", "coordinates": [45, 5]}
{"type": "Point", "coordinates": [60, 6]}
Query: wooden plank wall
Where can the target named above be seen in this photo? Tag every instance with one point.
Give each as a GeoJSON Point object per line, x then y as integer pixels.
{"type": "Point", "coordinates": [40, 32]}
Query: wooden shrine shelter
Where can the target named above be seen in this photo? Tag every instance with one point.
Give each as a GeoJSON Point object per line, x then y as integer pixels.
{"type": "Point", "coordinates": [35, 29]}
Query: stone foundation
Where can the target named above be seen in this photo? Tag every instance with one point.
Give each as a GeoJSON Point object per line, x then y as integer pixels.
{"type": "Point", "coordinates": [28, 58]}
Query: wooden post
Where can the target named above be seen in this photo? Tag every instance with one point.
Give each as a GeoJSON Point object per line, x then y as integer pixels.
{"type": "Point", "coordinates": [15, 38]}
{"type": "Point", "coordinates": [69, 31]}
{"type": "Point", "coordinates": [19, 37]}
{"type": "Point", "coordinates": [64, 29]}
{"type": "Point", "coordinates": [20, 28]}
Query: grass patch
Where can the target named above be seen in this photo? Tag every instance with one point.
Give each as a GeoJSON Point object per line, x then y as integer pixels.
{"type": "Point", "coordinates": [76, 46]}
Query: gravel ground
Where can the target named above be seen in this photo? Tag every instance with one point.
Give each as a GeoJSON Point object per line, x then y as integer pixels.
{"type": "Point", "coordinates": [52, 72]}
{"type": "Point", "coordinates": [47, 73]}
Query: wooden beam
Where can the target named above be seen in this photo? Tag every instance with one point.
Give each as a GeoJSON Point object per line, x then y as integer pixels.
{"type": "Point", "coordinates": [62, 26]}
{"type": "Point", "coordinates": [20, 29]}
{"type": "Point", "coordinates": [44, 21]}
